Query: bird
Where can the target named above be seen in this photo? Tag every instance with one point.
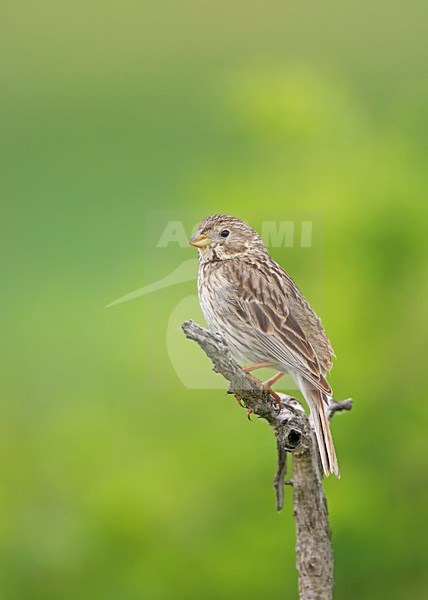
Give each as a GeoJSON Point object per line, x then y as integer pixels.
{"type": "Point", "coordinates": [264, 318]}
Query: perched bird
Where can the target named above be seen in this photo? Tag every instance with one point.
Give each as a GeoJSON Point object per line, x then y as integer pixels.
{"type": "Point", "coordinates": [245, 295]}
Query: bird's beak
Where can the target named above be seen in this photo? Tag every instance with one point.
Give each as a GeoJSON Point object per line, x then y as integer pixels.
{"type": "Point", "coordinates": [200, 241]}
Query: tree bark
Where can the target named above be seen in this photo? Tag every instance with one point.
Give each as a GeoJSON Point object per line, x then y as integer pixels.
{"type": "Point", "coordinates": [294, 434]}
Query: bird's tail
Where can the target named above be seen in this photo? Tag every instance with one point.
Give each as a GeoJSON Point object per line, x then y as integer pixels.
{"type": "Point", "coordinates": [318, 408]}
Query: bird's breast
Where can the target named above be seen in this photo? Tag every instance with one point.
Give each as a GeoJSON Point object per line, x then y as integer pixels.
{"type": "Point", "coordinates": [220, 315]}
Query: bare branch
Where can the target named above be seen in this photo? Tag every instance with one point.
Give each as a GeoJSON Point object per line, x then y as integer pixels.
{"type": "Point", "coordinates": [335, 406]}
{"type": "Point", "coordinates": [293, 434]}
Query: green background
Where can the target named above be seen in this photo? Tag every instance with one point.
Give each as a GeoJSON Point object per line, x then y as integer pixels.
{"type": "Point", "coordinates": [116, 481]}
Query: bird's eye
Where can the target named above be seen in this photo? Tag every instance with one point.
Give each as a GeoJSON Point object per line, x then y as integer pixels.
{"type": "Point", "coordinates": [224, 233]}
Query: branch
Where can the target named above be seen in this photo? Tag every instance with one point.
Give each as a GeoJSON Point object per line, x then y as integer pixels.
{"type": "Point", "coordinates": [293, 434]}
{"type": "Point", "coordinates": [335, 406]}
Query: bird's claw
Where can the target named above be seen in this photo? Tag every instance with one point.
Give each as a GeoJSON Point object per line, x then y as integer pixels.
{"type": "Point", "coordinates": [237, 398]}
{"type": "Point", "coordinates": [275, 396]}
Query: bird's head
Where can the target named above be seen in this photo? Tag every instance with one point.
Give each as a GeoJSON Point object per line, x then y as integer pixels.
{"type": "Point", "coordinates": [221, 237]}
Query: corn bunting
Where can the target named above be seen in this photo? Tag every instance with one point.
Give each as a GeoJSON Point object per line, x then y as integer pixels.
{"type": "Point", "coordinates": [245, 295]}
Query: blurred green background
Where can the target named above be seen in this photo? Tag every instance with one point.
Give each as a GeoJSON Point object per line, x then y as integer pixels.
{"type": "Point", "coordinates": [116, 480]}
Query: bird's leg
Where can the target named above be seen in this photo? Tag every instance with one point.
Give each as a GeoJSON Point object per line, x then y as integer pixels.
{"type": "Point", "coordinates": [259, 365]}
{"type": "Point", "coordinates": [250, 368]}
{"type": "Point", "coordinates": [269, 382]}
{"type": "Point", "coordinates": [275, 396]}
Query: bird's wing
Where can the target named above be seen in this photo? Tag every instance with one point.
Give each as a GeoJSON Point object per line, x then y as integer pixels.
{"type": "Point", "coordinates": [261, 302]}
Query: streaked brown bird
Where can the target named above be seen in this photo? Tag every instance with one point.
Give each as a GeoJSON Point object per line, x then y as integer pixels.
{"type": "Point", "coordinates": [245, 295]}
